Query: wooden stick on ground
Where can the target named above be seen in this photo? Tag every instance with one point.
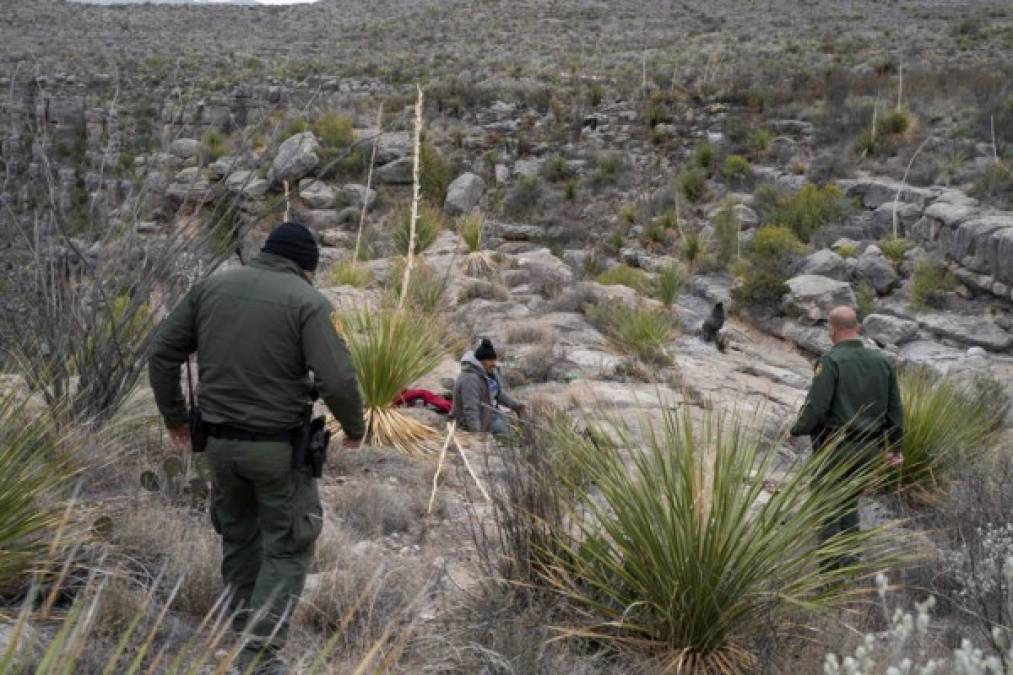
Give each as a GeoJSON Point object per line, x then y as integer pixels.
{"type": "Point", "coordinates": [474, 476]}
{"type": "Point", "coordinates": [439, 465]}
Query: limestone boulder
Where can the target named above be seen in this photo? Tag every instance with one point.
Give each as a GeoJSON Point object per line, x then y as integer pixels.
{"type": "Point", "coordinates": [397, 172]}
{"type": "Point", "coordinates": [877, 270]}
{"type": "Point", "coordinates": [826, 263]}
{"type": "Point", "coordinates": [463, 194]}
{"type": "Point", "coordinates": [316, 194]}
{"type": "Point", "coordinates": [297, 157]}
{"type": "Point", "coordinates": [889, 330]}
{"type": "Point", "coordinates": [810, 297]}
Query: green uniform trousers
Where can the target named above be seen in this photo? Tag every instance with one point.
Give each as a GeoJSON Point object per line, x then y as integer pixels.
{"type": "Point", "coordinates": [846, 520]}
{"type": "Point", "coordinates": [269, 517]}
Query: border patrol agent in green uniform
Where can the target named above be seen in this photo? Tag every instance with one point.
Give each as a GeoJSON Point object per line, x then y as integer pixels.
{"type": "Point", "coordinates": [854, 393]}
{"type": "Point", "coordinates": [259, 331]}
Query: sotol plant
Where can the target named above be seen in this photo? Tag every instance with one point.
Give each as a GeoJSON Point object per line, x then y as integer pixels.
{"type": "Point", "coordinates": [685, 552]}
{"type": "Point", "coordinates": [390, 352]}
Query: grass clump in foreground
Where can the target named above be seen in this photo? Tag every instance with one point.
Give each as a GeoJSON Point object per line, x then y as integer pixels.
{"type": "Point", "coordinates": [390, 352]}
{"type": "Point", "coordinates": [32, 470]}
{"type": "Point", "coordinates": [471, 227]}
{"type": "Point", "coordinates": [680, 556]}
{"type": "Point", "coordinates": [945, 426]}
{"type": "Point", "coordinates": [639, 331]}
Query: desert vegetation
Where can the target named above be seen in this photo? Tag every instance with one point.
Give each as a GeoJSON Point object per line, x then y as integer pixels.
{"type": "Point", "coordinates": [582, 184]}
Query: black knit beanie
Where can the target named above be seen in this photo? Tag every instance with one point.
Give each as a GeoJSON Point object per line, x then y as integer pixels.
{"type": "Point", "coordinates": [485, 351]}
{"type": "Point", "coordinates": [295, 242]}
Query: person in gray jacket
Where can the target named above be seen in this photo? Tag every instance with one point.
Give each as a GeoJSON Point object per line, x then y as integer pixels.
{"type": "Point", "coordinates": [478, 393]}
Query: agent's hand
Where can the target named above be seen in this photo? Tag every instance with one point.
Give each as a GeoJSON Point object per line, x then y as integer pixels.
{"type": "Point", "coordinates": [179, 438]}
{"type": "Point", "coordinates": [894, 459]}
{"type": "Point", "coordinates": [351, 443]}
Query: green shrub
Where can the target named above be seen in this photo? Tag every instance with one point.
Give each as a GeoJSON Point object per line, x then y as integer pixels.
{"type": "Point", "coordinates": [679, 547]}
{"type": "Point", "coordinates": [333, 130]}
{"type": "Point", "coordinates": [995, 183]}
{"type": "Point", "coordinates": [737, 169]}
{"type": "Point", "coordinates": [726, 234]}
{"type": "Point", "coordinates": [295, 126]}
{"type": "Point", "coordinates": [434, 174]}
{"type": "Point", "coordinates": [669, 219]}
{"type": "Point", "coordinates": [692, 248]}
{"type": "Point", "coordinates": [759, 141]}
{"type": "Point", "coordinates": [930, 281]}
{"type": "Point", "coordinates": [628, 214]}
{"type": "Point", "coordinates": [214, 145]}
{"type": "Point", "coordinates": [693, 184]}
{"type": "Point", "coordinates": [894, 122]}
{"type": "Point", "coordinates": [430, 223]}
{"type": "Point", "coordinates": [867, 144]}
{"type": "Point", "coordinates": [348, 273]}
{"type": "Point", "coordinates": [607, 170]}
{"type": "Point", "coordinates": [806, 211]}
{"type": "Point", "coordinates": [705, 156]}
{"type": "Point", "coordinates": [637, 331]}
{"type": "Point", "coordinates": [570, 189]}
{"type": "Point", "coordinates": [865, 299]}
{"type": "Point", "coordinates": [525, 195]}
{"type": "Point", "coordinates": [668, 284]}
{"type": "Point", "coordinates": [894, 249]}
{"type": "Point", "coordinates": [470, 227]}
{"type": "Point", "coordinates": [945, 426]}
{"type": "Point", "coordinates": [761, 273]}
{"type": "Point", "coordinates": [426, 290]}
{"type": "Point", "coordinates": [624, 275]}
{"type": "Point", "coordinates": [847, 250]}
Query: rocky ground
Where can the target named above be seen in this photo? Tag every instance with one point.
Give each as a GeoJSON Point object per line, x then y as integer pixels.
{"type": "Point", "coordinates": [571, 125]}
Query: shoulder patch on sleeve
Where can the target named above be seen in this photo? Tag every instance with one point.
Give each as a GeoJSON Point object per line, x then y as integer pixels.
{"type": "Point", "coordinates": [818, 369]}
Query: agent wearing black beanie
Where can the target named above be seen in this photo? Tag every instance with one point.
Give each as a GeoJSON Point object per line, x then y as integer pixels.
{"type": "Point", "coordinates": [295, 242]}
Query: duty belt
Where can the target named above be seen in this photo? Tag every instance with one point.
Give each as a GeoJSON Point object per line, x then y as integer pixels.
{"type": "Point", "coordinates": [231, 433]}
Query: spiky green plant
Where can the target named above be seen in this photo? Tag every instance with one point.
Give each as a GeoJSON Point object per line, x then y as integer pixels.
{"type": "Point", "coordinates": [426, 292]}
{"type": "Point", "coordinates": [640, 331]}
{"type": "Point", "coordinates": [668, 284]}
{"type": "Point", "coordinates": [470, 227]}
{"type": "Point", "coordinates": [391, 349]}
{"type": "Point", "coordinates": [945, 425]}
{"type": "Point", "coordinates": [32, 471]}
{"type": "Point", "coordinates": [686, 552]}
{"type": "Point", "coordinates": [692, 248]}
{"type": "Point", "coordinates": [349, 273]}
{"type": "Point", "coordinates": [430, 223]}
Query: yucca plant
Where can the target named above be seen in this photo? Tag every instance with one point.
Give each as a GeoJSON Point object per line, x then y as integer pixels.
{"type": "Point", "coordinates": [471, 227]}
{"type": "Point", "coordinates": [427, 290]}
{"type": "Point", "coordinates": [687, 551]}
{"type": "Point", "coordinates": [640, 331]}
{"type": "Point", "coordinates": [33, 470]}
{"type": "Point", "coordinates": [428, 226]}
{"type": "Point", "coordinates": [348, 272]}
{"type": "Point", "coordinates": [945, 425]}
{"type": "Point", "coordinates": [391, 349]}
{"type": "Point", "coordinates": [668, 284]}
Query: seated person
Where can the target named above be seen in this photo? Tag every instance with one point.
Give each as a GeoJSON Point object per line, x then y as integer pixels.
{"type": "Point", "coordinates": [478, 393]}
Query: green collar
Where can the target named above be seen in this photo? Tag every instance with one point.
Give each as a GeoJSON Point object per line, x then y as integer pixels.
{"type": "Point", "coordinates": [276, 263]}
{"type": "Point", "coordinates": [850, 344]}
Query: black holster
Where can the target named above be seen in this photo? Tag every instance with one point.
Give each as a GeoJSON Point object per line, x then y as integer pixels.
{"type": "Point", "coordinates": [198, 431]}
{"type": "Point", "coordinates": [309, 446]}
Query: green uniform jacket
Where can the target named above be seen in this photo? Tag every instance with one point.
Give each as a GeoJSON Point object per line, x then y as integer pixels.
{"type": "Point", "coordinates": [853, 388]}
{"type": "Point", "coordinates": [258, 331]}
